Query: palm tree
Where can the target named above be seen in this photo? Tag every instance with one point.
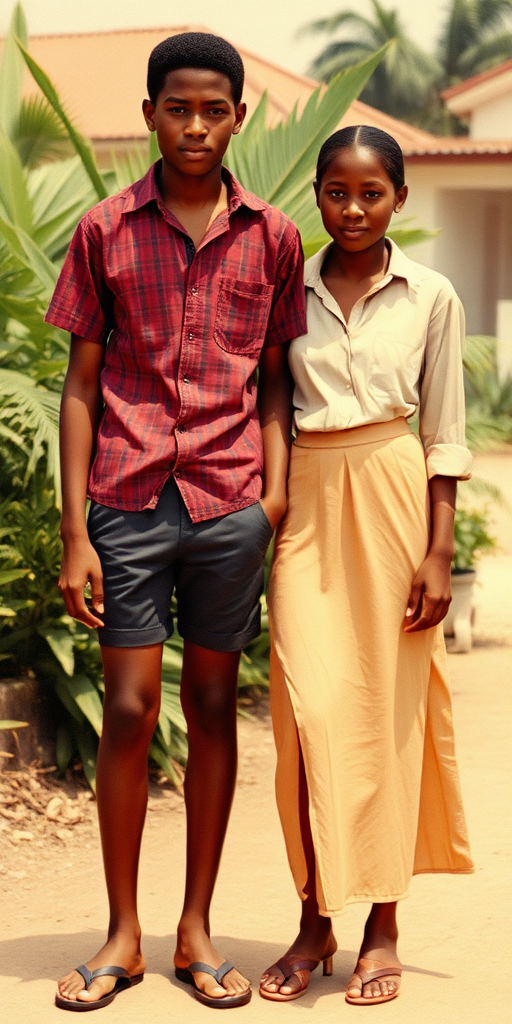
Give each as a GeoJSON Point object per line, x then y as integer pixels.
{"type": "Point", "coordinates": [477, 36]}
{"type": "Point", "coordinates": [402, 84]}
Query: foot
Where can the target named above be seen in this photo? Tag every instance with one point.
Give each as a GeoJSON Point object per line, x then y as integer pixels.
{"type": "Point", "coordinates": [194, 945]}
{"type": "Point", "coordinates": [315, 941]}
{"type": "Point", "coordinates": [119, 951]}
{"type": "Point", "coordinates": [376, 958]}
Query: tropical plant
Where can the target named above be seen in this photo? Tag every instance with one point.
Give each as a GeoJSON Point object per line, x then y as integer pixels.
{"type": "Point", "coordinates": [404, 81]}
{"type": "Point", "coordinates": [476, 35]}
{"type": "Point", "coordinates": [472, 537]}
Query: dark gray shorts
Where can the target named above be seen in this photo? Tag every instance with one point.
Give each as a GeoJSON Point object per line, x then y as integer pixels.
{"type": "Point", "coordinates": [216, 567]}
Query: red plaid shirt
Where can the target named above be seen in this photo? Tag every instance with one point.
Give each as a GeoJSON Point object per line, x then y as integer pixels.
{"type": "Point", "coordinates": [183, 330]}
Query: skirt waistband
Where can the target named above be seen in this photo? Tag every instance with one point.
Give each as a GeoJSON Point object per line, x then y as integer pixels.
{"type": "Point", "coordinates": [369, 433]}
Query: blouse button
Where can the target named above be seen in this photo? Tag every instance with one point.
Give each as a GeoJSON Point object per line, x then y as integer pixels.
{"type": "Point", "coordinates": [194, 291]}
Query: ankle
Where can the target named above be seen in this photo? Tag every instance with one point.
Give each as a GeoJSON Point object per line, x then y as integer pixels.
{"type": "Point", "coordinates": [126, 932]}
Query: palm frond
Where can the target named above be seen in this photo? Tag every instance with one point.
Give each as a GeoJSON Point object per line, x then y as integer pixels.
{"type": "Point", "coordinates": [32, 412]}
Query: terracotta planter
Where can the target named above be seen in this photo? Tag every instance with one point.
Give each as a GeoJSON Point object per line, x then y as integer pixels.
{"type": "Point", "coordinates": [458, 622]}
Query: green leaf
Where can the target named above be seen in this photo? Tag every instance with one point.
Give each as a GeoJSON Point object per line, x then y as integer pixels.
{"type": "Point", "coordinates": [88, 749]}
{"type": "Point", "coordinates": [30, 255]}
{"type": "Point", "coordinates": [64, 748]}
{"type": "Point", "coordinates": [82, 147]}
{"type": "Point", "coordinates": [8, 575]}
{"type": "Point", "coordinates": [86, 696]}
{"type": "Point", "coordinates": [14, 197]}
{"type": "Point", "coordinates": [161, 758]}
{"type": "Point", "coordinates": [60, 642]}
{"type": "Point", "coordinates": [7, 723]}
{"type": "Point", "coordinates": [11, 70]}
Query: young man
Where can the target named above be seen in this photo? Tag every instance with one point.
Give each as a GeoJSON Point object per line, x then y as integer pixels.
{"type": "Point", "coordinates": [175, 291]}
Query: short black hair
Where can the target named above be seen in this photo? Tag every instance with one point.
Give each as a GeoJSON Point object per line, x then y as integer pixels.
{"type": "Point", "coordinates": [195, 50]}
{"type": "Point", "coordinates": [382, 144]}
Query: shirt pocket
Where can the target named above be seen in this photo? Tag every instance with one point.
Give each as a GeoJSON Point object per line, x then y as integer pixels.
{"type": "Point", "coordinates": [243, 311]}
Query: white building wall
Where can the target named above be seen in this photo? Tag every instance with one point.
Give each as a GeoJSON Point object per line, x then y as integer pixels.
{"type": "Point", "coordinates": [492, 120]}
{"type": "Point", "coordinates": [472, 207]}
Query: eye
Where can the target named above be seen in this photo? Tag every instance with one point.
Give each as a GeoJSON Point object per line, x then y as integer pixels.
{"type": "Point", "coordinates": [336, 193]}
{"type": "Point", "coordinates": [371, 194]}
{"type": "Point", "coordinates": [175, 110]}
{"type": "Point", "coordinates": [216, 111]}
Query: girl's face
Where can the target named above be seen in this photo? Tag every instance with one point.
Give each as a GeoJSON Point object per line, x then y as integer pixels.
{"type": "Point", "coordinates": [356, 198]}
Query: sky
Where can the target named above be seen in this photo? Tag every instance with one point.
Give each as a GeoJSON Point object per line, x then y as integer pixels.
{"type": "Point", "coordinates": [267, 27]}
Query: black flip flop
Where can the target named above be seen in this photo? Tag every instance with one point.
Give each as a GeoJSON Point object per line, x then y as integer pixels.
{"type": "Point", "coordinates": [186, 974]}
{"type": "Point", "coordinates": [123, 981]}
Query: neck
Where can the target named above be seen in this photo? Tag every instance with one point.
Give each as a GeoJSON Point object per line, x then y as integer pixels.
{"type": "Point", "coordinates": [358, 266]}
{"type": "Point", "coordinates": [190, 190]}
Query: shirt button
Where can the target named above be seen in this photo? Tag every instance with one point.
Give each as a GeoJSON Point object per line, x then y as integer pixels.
{"type": "Point", "coordinates": [190, 335]}
{"type": "Point", "coordinates": [348, 387]}
{"type": "Point", "coordinates": [186, 380]}
{"type": "Point", "coordinates": [194, 291]}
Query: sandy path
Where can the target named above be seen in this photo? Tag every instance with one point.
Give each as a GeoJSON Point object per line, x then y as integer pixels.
{"type": "Point", "coordinates": [455, 930]}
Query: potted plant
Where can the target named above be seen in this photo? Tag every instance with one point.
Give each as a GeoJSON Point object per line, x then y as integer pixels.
{"type": "Point", "coordinates": [472, 538]}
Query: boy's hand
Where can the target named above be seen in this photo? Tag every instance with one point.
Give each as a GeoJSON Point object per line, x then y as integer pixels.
{"type": "Point", "coordinates": [80, 567]}
{"type": "Point", "coordinates": [430, 594]}
{"type": "Point", "coordinates": [273, 509]}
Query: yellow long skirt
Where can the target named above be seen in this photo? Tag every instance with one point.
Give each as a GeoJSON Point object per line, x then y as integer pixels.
{"type": "Point", "coordinates": [369, 705]}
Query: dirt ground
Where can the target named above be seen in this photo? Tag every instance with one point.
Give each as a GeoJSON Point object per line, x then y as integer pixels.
{"type": "Point", "coordinates": [455, 930]}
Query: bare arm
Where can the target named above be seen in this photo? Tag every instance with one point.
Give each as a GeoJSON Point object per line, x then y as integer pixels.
{"type": "Point", "coordinates": [80, 414]}
{"type": "Point", "coordinates": [275, 389]}
{"type": "Point", "coordinates": [430, 593]}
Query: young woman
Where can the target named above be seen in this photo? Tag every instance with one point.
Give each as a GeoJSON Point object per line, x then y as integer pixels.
{"type": "Point", "coordinates": [367, 781]}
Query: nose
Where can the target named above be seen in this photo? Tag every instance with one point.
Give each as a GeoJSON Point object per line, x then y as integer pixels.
{"type": "Point", "coordinates": [353, 210]}
{"type": "Point", "coordinates": [196, 126]}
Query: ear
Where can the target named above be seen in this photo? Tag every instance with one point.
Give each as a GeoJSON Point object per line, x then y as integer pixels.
{"type": "Point", "coordinates": [148, 110]}
{"type": "Point", "coordinates": [400, 198]}
{"type": "Point", "coordinates": [317, 192]}
{"type": "Point", "coordinates": [240, 113]}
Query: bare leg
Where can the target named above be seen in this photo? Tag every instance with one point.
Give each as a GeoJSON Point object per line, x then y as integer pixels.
{"type": "Point", "coordinates": [315, 938]}
{"type": "Point", "coordinates": [378, 950]}
{"type": "Point", "coordinates": [208, 696]}
{"type": "Point", "coordinates": [130, 713]}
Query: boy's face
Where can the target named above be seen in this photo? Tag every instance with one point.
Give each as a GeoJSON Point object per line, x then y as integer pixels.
{"type": "Point", "coordinates": [194, 118]}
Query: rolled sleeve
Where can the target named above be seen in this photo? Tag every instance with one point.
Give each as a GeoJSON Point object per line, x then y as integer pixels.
{"type": "Point", "coordinates": [81, 302]}
{"type": "Point", "coordinates": [442, 406]}
{"type": "Point", "coordinates": [288, 314]}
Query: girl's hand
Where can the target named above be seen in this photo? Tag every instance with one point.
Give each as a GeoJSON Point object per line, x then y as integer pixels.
{"type": "Point", "coordinates": [81, 566]}
{"type": "Point", "coordinates": [430, 595]}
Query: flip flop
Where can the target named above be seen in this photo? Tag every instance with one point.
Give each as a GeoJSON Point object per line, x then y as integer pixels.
{"type": "Point", "coordinates": [186, 974]}
{"type": "Point", "coordinates": [367, 976]}
{"type": "Point", "coordinates": [123, 981]}
{"type": "Point", "coordinates": [302, 967]}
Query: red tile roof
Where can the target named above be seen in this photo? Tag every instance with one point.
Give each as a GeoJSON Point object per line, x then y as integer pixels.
{"type": "Point", "coordinates": [101, 78]}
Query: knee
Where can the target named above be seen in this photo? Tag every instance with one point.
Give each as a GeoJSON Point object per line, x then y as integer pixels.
{"type": "Point", "coordinates": [131, 716]}
{"type": "Point", "coordinates": [210, 709]}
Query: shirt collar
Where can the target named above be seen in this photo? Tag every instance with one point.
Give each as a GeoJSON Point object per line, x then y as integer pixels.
{"type": "Point", "coordinates": [146, 189]}
{"type": "Point", "coordinates": [399, 266]}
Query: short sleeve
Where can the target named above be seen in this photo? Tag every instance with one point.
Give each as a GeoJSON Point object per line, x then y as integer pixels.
{"type": "Point", "coordinates": [81, 302]}
{"type": "Point", "coordinates": [442, 406]}
{"type": "Point", "coordinates": [288, 314]}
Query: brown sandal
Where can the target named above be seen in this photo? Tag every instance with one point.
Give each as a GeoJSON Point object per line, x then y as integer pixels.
{"type": "Point", "coordinates": [373, 975]}
{"type": "Point", "coordinates": [302, 967]}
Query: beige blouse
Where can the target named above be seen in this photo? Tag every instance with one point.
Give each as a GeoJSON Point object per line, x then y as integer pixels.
{"type": "Point", "coordinates": [401, 348]}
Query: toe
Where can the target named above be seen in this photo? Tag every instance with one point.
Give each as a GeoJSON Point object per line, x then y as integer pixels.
{"type": "Point", "coordinates": [354, 988]}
